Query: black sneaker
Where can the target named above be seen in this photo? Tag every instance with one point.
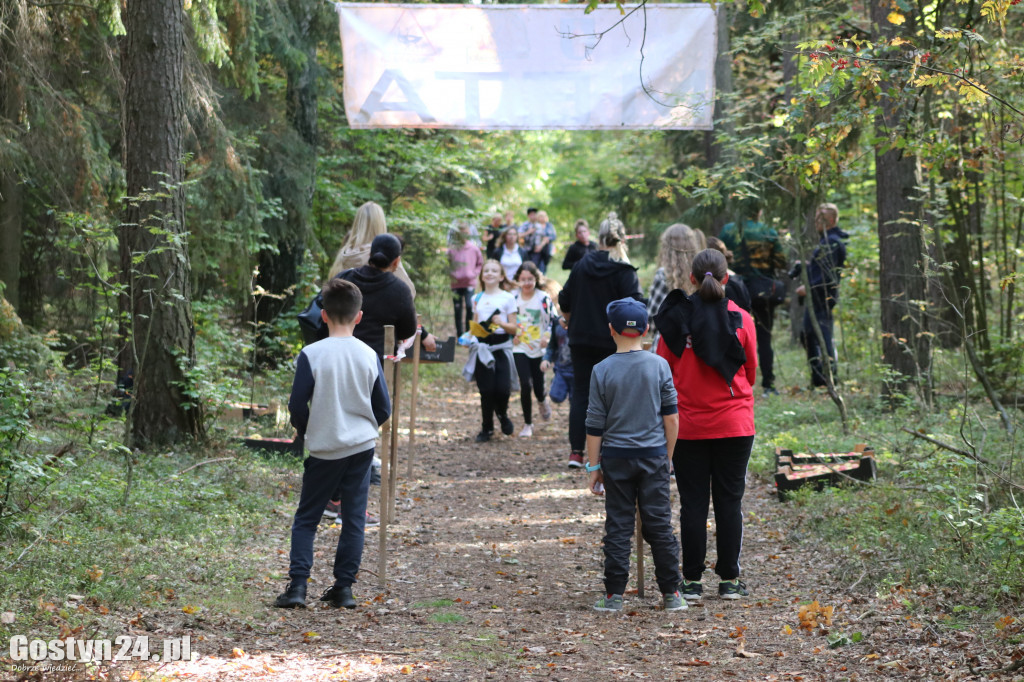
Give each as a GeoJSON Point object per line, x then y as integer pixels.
{"type": "Point", "coordinates": [506, 426]}
{"type": "Point", "coordinates": [484, 436]}
{"type": "Point", "coordinates": [340, 597]}
{"type": "Point", "coordinates": [732, 589]}
{"type": "Point", "coordinates": [292, 598]}
{"type": "Point", "coordinates": [691, 590]}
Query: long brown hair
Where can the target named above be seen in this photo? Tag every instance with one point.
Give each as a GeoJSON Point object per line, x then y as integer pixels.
{"type": "Point", "coordinates": [709, 269]}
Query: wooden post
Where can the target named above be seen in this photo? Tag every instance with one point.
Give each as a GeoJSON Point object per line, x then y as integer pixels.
{"type": "Point", "coordinates": [412, 402]}
{"type": "Point", "coordinates": [392, 477]}
{"type": "Point", "coordinates": [382, 534]}
{"type": "Point", "coordinates": [639, 556]}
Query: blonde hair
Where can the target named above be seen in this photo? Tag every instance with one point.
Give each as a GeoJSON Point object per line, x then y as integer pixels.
{"type": "Point", "coordinates": [368, 223]}
{"type": "Point", "coordinates": [829, 207]}
{"type": "Point", "coordinates": [612, 237]}
{"type": "Point", "coordinates": [679, 244]}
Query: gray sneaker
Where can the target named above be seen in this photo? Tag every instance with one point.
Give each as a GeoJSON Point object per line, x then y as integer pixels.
{"type": "Point", "coordinates": [609, 602]}
{"type": "Point", "coordinates": [673, 601]}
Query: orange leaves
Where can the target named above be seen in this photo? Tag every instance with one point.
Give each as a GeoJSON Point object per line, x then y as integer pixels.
{"type": "Point", "coordinates": [813, 615]}
{"type": "Point", "coordinates": [94, 574]}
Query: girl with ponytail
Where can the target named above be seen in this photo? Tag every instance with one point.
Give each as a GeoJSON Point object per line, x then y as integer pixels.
{"type": "Point", "coordinates": [601, 277]}
{"type": "Point", "coordinates": [711, 346]}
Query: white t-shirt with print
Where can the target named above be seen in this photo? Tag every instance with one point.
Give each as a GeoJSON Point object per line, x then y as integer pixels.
{"type": "Point", "coordinates": [485, 305]}
{"type": "Point", "coordinates": [534, 319]}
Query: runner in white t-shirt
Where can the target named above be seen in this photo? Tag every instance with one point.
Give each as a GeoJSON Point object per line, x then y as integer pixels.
{"type": "Point", "coordinates": [534, 315]}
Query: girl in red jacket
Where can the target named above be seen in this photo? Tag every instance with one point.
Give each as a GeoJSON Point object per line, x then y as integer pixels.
{"type": "Point", "coordinates": [711, 346]}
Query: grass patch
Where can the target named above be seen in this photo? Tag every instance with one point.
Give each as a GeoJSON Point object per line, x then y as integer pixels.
{"type": "Point", "coordinates": [183, 541]}
{"type": "Point", "coordinates": [447, 617]}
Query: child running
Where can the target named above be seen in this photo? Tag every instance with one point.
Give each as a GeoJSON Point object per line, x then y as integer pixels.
{"type": "Point", "coordinates": [557, 356]}
{"type": "Point", "coordinates": [490, 358]}
{"type": "Point", "coordinates": [631, 428]}
{"type": "Point", "coordinates": [534, 316]}
{"type": "Point", "coordinates": [338, 401]}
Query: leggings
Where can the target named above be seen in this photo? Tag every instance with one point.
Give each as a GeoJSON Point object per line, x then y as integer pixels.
{"type": "Point", "coordinates": [461, 299]}
{"type": "Point", "coordinates": [495, 385]}
{"type": "Point", "coordinates": [529, 376]}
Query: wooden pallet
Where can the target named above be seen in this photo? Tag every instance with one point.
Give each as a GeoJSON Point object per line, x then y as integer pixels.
{"type": "Point", "coordinates": [795, 470]}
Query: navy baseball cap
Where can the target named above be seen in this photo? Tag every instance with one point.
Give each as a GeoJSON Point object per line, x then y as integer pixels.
{"type": "Point", "coordinates": [627, 316]}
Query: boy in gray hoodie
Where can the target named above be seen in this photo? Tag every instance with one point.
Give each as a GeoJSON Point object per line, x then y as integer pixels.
{"type": "Point", "coordinates": [339, 434]}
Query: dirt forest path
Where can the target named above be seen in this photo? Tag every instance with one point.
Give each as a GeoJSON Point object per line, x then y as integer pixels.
{"type": "Point", "coordinates": [495, 561]}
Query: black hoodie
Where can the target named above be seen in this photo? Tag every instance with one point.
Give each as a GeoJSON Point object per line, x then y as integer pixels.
{"type": "Point", "coordinates": [386, 300]}
{"type": "Point", "coordinates": [596, 281]}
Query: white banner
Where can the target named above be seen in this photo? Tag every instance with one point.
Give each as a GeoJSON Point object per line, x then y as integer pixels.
{"type": "Point", "coordinates": [516, 67]}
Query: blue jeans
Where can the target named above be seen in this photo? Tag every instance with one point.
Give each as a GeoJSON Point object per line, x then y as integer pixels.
{"type": "Point", "coordinates": [351, 476]}
{"type": "Point", "coordinates": [561, 385]}
{"type": "Point", "coordinates": [630, 483]}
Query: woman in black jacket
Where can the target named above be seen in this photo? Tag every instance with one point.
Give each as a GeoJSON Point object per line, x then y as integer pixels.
{"type": "Point", "coordinates": [386, 299]}
{"type": "Point", "coordinates": [601, 277]}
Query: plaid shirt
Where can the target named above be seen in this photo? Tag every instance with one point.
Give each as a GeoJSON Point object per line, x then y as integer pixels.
{"type": "Point", "coordinates": [659, 290]}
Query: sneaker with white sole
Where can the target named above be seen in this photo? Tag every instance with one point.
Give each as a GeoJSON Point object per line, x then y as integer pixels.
{"type": "Point", "coordinates": [526, 432]}
{"type": "Point", "coordinates": [691, 590]}
{"type": "Point", "coordinates": [673, 601]}
{"type": "Point", "coordinates": [732, 589]}
{"type": "Point", "coordinates": [609, 602]}
{"type": "Point", "coordinates": [332, 509]}
{"type": "Point", "coordinates": [576, 460]}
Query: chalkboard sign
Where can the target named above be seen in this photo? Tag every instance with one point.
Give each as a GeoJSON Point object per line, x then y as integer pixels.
{"type": "Point", "coordinates": [445, 351]}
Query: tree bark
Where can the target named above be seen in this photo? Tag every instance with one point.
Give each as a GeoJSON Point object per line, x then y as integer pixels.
{"type": "Point", "coordinates": [906, 346]}
{"type": "Point", "coordinates": [12, 100]}
{"type": "Point", "coordinates": [154, 254]}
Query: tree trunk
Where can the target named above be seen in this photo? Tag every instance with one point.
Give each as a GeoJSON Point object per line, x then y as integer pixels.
{"type": "Point", "coordinates": [713, 152]}
{"type": "Point", "coordinates": [154, 252]}
{"type": "Point", "coordinates": [12, 100]}
{"type": "Point", "coordinates": [906, 347]}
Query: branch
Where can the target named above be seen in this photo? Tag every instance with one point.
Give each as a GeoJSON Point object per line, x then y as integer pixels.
{"type": "Point", "coordinates": [963, 79]}
{"type": "Point", "coordinates": [207, 461]}
{"type": "Point", "coordinates": [946, 446]}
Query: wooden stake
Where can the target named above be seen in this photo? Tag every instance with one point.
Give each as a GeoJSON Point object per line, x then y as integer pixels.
{"type": "Point", "coordinates": [412, 402]}
{"type": "Point", "coordinates": [392, 477]}
{"type": "Point", "coordinates": [639, 556]}
{"type": "Point", "coordinates": [382, 533]}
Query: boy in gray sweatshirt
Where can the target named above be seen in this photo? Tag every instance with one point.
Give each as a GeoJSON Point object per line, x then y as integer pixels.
{"type": "Point", "coordinates": [338, 401]}
{"type": "Point", "coordinates": [632, 425]}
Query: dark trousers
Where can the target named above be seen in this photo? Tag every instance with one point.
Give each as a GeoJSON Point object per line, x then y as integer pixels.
{"type": "Point", "coordinates": [461, 299]}
{"type": "Point", "coordinates": [718, 465]}
{"type": "Point", "coordinates": [628, 484]}
{"type": "Point", "coordinates": [816, 355]}
{"type": "Point", "coordinates": [530, 379]}
{"type": "Point", "coordinates": [495, 385]}
{"type": "Point", "coordinates": [320, 477]}
{"type": "Point", "coordinates": [583, 360]}
{"type": "Point", "coordinates": [763, 313]}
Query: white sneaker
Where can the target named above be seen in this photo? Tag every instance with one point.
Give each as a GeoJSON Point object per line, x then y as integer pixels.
{"type": "Point", "coordinates": [526, 432]}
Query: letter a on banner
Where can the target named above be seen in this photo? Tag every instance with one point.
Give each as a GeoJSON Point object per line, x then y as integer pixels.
{"type": "Point", "coordinates": [528, 67]}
